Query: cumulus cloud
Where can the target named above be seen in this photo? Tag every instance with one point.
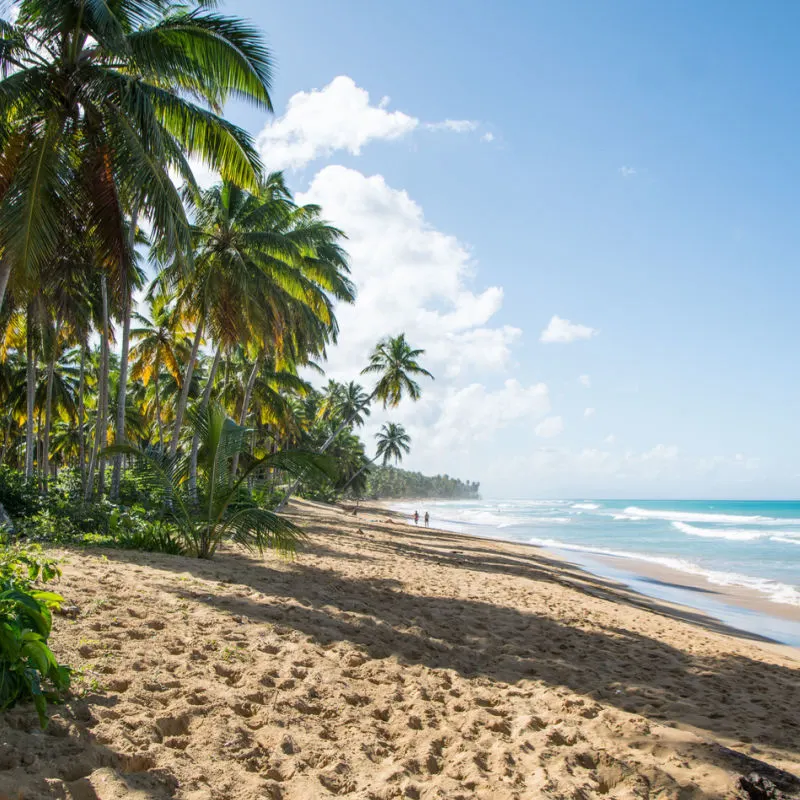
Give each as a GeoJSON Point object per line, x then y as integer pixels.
{"type": "Point", "coordinates": [562, 331]}
{"type": "Point", "coordinates": [474, 413]}
{"type": "Point", "coordinates": [588, 412]}
{"type": "Point", "coordinates": [550, 427]}
{"type": "Point", "coordinates": [416, 279]}
{"type": "Point", "coordinates": [585, 380]}
{"type": "Point", "coordinates": [411, 278]}
{"type": "Point", "coordinates": [627, 172]}
{"type": "Point", "coordinates": [487, 137]}
{"type": "Point", "coordinates": [337, 117]}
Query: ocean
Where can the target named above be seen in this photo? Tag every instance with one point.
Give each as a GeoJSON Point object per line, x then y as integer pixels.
{"type": "Point", "coordinates": [753, 545]}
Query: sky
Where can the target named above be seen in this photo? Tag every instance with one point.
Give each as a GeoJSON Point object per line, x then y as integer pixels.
{"type": "Point", "coordinates": [586, 214]}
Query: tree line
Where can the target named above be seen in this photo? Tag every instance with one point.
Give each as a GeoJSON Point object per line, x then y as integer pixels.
{"type": "Point", "coordinates": [391, 482]}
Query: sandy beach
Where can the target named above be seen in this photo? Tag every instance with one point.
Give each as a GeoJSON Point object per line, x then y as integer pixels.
{"type": "Point", "coordinates": [392, 661]}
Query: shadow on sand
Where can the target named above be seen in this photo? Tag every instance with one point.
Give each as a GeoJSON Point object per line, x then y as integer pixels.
{"type": "Point", "coordinates": [477, 638]}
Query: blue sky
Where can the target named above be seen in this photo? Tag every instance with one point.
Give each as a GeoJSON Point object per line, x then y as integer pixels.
{"type": "Point", "coordinates": [641, 180]}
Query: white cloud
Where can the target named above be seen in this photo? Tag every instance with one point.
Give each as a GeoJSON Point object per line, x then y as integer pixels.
{"type": "Point", "coordinates": [454, 125]}
{"type": "Point", "coordinates": [416, 279]}
{"type": "Point", "coordinates": [487, 137]}
{"type": "Point", "coordinates": [588, 412]}
{"type": "Point", "coordinates": [627, 172]}
{"type": "Point", "coordinates": [610, 439]}
{"type": "Point", "coordinates": [337, 117]}
{"type": "Point", "coordinates": [411, 278]}
{"type": "Point", "coordinates": [584, 380]}
{"type": "Point", "coordinates": [563, 331]}
{"type": "Point", "coordinates": [550, 427]}
{"type": "Point", "coordinates": [474, 413]}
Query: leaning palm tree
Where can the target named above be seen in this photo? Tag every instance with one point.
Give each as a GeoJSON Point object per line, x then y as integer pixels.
{"type": "Point", "coordinates": [223, 510]}
{"type": "Point", "coordinates": [396, 364]}
{"type": "Point", "coordinates": [98, 102]}
{"type": "Point", "coordinates": [393, 442]}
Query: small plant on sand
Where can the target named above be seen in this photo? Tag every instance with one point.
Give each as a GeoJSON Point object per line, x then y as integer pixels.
{"type": "Point", "coordinates": [219, 508]}
{"type": "Point", "coordinates": [28, 668]}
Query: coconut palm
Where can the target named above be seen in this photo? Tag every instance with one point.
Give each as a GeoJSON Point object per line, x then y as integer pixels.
{"type": "Point", "coordinates": [265, 274]}
{"type": "Point", "coordinates": [159, 344]}
{"type": "Point", "coordinates": [98, 102]}
{"type": "Point", "coordinates": [396, 363]}
{"type": "Point", "coordinates": [393, 442]}
{"type": "Point", "coordinates": [223, 512]}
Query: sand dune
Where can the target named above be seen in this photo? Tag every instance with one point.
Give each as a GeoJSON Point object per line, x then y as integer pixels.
{"type": "Point", "coordinates": [388, 661]}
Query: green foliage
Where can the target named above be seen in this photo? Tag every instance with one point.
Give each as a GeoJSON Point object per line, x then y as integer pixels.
{"type": "Point", "coordinates": [18, 495]}
{"type": "Point", "coordinates": [221, 508]}
{"type": "Point", "coordinates": [28, 668]}
{"type": "Point", "coordinates": [394, 482]}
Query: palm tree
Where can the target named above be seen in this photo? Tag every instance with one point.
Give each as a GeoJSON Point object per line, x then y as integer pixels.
{"type": "Point", "coordinates": [159, 344]}
{"type": "Point", "coordinates": [223, 511]}
{"type": "Point", "coordinates": [98, 102]}
{"type": "Point", "coordinates": [396, 364]}
{"type": "Point", "coordinates": [352, 404]}
{"type": "Point", "coordinates": [265, 272]}
{"type": "Point", "coordinates": [393, 442]}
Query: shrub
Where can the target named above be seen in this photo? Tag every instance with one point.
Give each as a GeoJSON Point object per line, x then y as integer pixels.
{"type": "Point", "coordinates": [18, 495]}
{"type": "Point", "coordinates": [28, 668]}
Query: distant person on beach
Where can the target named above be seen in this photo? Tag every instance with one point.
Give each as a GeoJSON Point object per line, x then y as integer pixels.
{"type": "Point", "coordinates": [427, 519]}
{"type": "Point", "coordinates": [416, 517]}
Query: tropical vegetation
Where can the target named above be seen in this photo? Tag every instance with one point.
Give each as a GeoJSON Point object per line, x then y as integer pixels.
{"type": "Point", "coordinates": [160, 341]}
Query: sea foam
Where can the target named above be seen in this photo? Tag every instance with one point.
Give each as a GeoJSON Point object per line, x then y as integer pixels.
{"type": "Point", "coordinates": [633, 512]}
{"type": "Point", "coordinates": [775, 591]}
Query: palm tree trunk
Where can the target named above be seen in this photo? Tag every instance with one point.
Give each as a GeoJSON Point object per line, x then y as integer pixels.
{"type": "Point", "coordinates": [196, 437]}
{"type": "Point", "coordinates": [6, 436]}
{"type": "Point", "coordinates": [293, 488]}
{"type": "Point", "coordinates": [371, 461]}
{"type": "Point", "coordinates": [251, 381]}
{"type": "Point", "coordinates": [5, 273]}
{"type": "Point", "coordinates": [122, 392]}
{"type": "Point", "coordinates": [102, 399]}
{"type": "Point", "coordinates": [48, 409]}
{"type": "Point", "coordinates": [159, 420]}
{"type": "Point", "coordinates": [184, 398]}
{"type": "Point", "coordinates": [39, 448]}
{"type": "Point", "coordinates": [81, 418]}
{"type": "Point", "coordinates": [30, 378]}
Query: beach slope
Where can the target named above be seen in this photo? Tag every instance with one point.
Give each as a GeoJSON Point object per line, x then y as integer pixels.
{"type": "Point", "coordinates": [391, 661]}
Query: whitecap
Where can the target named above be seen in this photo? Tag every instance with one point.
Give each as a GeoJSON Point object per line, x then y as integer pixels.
{"type": "Point", "coordinates": [633, 512]}
{"type": "Point", "coordinates": [775, 591]}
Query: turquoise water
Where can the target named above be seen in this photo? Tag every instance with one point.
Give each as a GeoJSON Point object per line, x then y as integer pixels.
{"type": "Point", "coordinates": [752, 544]}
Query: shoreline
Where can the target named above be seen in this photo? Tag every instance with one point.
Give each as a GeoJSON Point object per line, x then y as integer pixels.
{"type": "Point", "coordinates": [741, 608]}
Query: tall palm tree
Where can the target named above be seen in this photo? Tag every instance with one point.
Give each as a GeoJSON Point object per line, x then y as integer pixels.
{"type": "Point", "coordinates": [98, 102]}
{"type": "Point", "coordinates": [265, 273]}
{"type": "Point", "coordinates": [396, 364]}
{"type": "Point", "coordinates": [393, 442]}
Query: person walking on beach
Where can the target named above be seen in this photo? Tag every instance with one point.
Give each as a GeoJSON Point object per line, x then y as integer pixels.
{"type": "Point", "coordinates": [427, 519]}
{"type": "Point", "coordinates": [416, 517]}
